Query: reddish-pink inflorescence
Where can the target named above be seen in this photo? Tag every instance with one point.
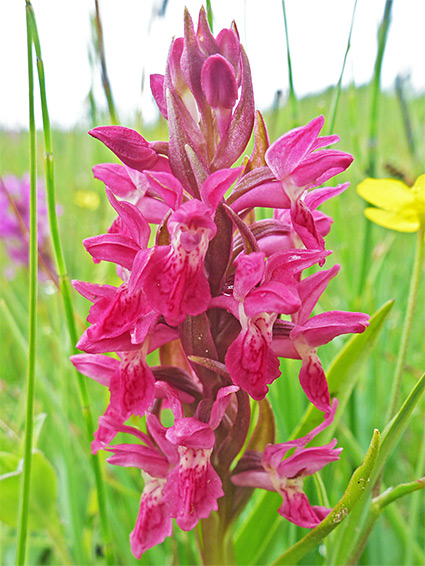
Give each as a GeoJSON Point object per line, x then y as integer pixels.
{"type": "Point", "coordinates": [220, 295]}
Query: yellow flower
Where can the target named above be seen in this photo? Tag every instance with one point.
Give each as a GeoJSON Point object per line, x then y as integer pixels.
{"type": "Point", "coordinates": [400, 207]}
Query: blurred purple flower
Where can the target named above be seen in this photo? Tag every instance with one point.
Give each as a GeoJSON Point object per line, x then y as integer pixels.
{"type": "Point", "coordinates": [15, 223]}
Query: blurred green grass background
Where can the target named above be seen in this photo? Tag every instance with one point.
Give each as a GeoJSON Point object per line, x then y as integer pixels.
{"type": "Point", "coordinates": [70, 533]}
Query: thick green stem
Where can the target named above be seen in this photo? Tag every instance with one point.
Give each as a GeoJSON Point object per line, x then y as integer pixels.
{"type": "Point", "coordinates": [32, 335]}
{"type": "Point", "coordinates": [213, 551]}
{"type": "Point", "coordinates": [407, 326]}
{"type": "Point", "coordinates": [373, 134]}
{"type": "Point", "coordinates": [65, 285]}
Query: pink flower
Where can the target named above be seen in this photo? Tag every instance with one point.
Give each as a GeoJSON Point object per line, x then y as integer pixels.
{"type": "Point", "coordinates": [296, 163]}
{"type": "Point", "coordinates": [301, 338]}
{"type": "Point", "coordinates": [180, 481]}
{"type": "Point", "coordinates": [128, 235]}
{"type": "Point", "coordinates": [298, 166]}
{"type": "Point", "coordinates": [193, 486]}
{"type": "Point", "coordinates": [153, 524]}
{"type": "Point", "coordinates": [174, 279]}
{"type": "Point", "coordinates": [207, 97]}
{"type": "Point", "coordinates": [323, 222]}
{"type": "Point", "coordinates": [217, 293]}
{"type": "Point", "coordinates": [256, 302]}
{"type": "Point", "coordinates": [285, 475]}
{"type": "Point", "coordinates": [154, 457]}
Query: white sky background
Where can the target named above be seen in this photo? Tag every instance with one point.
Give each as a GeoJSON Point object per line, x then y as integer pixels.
{"type": "Point", "coordinates": [137, 44]}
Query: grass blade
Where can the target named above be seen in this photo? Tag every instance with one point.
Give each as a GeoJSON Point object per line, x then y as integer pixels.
{"type": "Point", "coordinates": [377, 506]}
{"type": "Point", "coordinates": [397, 426]}
{"type": "Point", "coordinates": [352, 546]}
{"type": "Point", "coordinates": [292, 95]}
{"type": "Point", "coordinates": [32, 337]}
{"type": "Point", "coordinates": [407, 326]}
{"type": "Point", "coordinates": [373, 135]}
{"type": "Point", "coordinates": [414, 519]}
{"type": "Point", "coordinates": [65, 285]}
{"type": "Point", "coordinates": [337, 91]}
{"type": "Point", "coordinates": [210, 15]}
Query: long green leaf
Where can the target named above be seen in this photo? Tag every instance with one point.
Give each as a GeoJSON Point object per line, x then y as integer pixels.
{"type": "Point", "coordinates": [251, 541]}
{"type": "Point", "coordinates": [355, 490]}
{"type": "Point", "coordinates": [345, 370]}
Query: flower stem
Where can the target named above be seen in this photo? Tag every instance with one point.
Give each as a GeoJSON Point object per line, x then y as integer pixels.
{"type": "Point", "coordinates": [407, 327]}
{"type": "Point", "coordinates": [32, 338]}
{"type": "Point", "coordinates": [65, 285]}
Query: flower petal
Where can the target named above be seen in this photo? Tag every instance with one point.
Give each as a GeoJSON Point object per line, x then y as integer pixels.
{"type": "Point", "coordinates": [404, 221]}
{"type": "Point", "coordinates": [192, 488]}
{"type": "Point", "coordinates": [297, 509]}
{"type": "Point", "coordinates": [285, 154]}
{"type": "Point", "coordinates": [388, 194]}
{"type": "Point", "coordinates": [250, 361]}
{"type": "Point", "coordinates": [128, 145]}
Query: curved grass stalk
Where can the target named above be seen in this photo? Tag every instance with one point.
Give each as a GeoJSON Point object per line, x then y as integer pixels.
{"type": "Point", "coordinates": [64, 282]}
{"type": "Point", "coordinates": [32, 338]}
{"type": "Point", "coordinates": [337, 91]}
{"type": "Point", "coordinates": [292, 95]}
{"type": "Point", "coordinates": [373, 134]}
{"type": "Point", "coordinates": [402, 529]}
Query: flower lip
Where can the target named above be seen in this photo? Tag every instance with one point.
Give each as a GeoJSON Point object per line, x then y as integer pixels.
{"type": "Point", "coordinates": [193, 215]}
